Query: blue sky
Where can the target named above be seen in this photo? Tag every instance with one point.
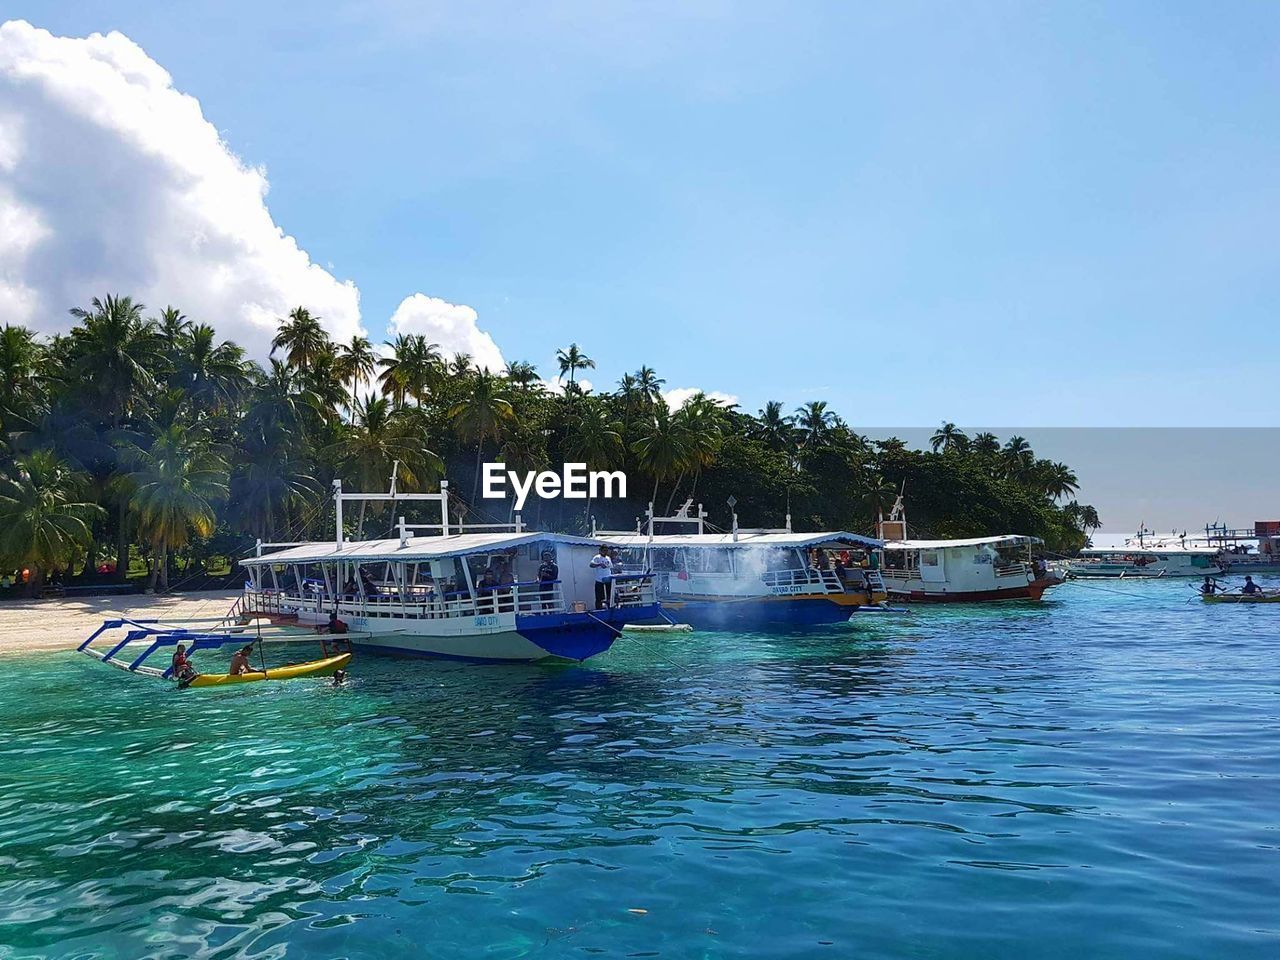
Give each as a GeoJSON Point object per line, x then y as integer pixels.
{"type": "Point", "coordinates": [994, 212]}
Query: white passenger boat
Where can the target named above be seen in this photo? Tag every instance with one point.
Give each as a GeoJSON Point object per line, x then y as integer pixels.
{"type": "Point", "coordinates": [1147, 556]}
{"type": "Point", "coordinates": [751, 577]}
{"type": "Point", "coordinates": [467, 593]}
{"type": "Point", "coordinates": [1253, 549]}
{"type": "Point", "coordinates": [974, 570]}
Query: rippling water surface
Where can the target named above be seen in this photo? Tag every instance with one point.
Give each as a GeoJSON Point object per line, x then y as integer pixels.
{"type": "Point", "coordinates": [1098, 776]}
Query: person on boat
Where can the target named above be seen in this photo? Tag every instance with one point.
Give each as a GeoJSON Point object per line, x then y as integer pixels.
{"type": "Point", "coordinates": [1250, 588]}
{"type": "Point", "coordinates": [548, 574]}
{"type": "Point", "coordinates": [1209, 587]}
{"type": "Point", "coordinates": [370, 588]}
{"type": "Point", "coordinates": [335, 624]}
{"type": "Point", "coordinates": [240, 662]}
{"type": "Point", "coordinates": [181, 667]}
{"type": "Point", "coordinates": [603, 566]}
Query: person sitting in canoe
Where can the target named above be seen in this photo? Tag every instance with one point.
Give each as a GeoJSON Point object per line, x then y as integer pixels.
{"type": "Point", "coordinates": [240, 662]}
{"type": "Point", "coordinates": [181, 667]}
{"type": "Point", "coordinates": [1250, 588]}
{"type": "Point", "coordinates": [1209, 587]}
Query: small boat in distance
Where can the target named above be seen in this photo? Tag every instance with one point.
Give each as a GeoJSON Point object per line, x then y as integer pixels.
{"type": "Point", "coordinates": [1147, 556]}
{"type": "Point", "coordinates": [747, 578]}
{"type": "Point", "coordinates": [1253, 549]}
{"type": "Point", "coordinates": [973, 570]}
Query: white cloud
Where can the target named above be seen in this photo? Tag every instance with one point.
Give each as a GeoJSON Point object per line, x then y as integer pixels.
{"type": "Point", "coordinates": [677, 397]}
{"type": "Point", "coordinates": [451, 325]}
{"type": "Point", "coordinates": [557, 384]}
{"type": "Point", "coordinates": [112, 181]}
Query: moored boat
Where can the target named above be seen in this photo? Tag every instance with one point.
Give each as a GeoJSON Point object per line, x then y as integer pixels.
{"type": "Point", "coordinates": [472, 593]}
{"type": "Point", "coordinates": [747, 578]}
{"type": "Point", "coordinates": [1146, 556]}
{"type": "Point", "coordinates": [973, 570]}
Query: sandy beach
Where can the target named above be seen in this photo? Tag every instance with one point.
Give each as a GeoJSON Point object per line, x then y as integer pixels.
{"type": "Point", "coordinates": [62, 624]}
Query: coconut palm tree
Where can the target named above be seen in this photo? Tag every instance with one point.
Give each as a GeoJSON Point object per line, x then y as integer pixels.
{"type": "Point", "coordinates": [414, 368]}
{"type": "Point", "coordinates": [1060, 481]}
{"type": "Point", "coordinates": [356, 362]}
{"type": "Point", "coordinates": [774, 429]}
{"type": "Point", "coordinates": [522, 375]}
{"type": "Point", "coordinates": [649, 384]}
{"type": "Point", "coordinates": [663, 446]}
{"type": "Point", "coordinates": [1016, 458]}
{"type": "Point", "coordinates": [213, 375]}
{"type": "Point", "coordinates": [594, 439]}
{"type": "Point", "coordinates": [814, 423]}
{"type": "Point", "coordinates": [949, 438]}
{"type": "Point", "coordinates": [985, 444]}
{"type": "Point", "coordinates": [22, 364]}
{"type": "Point", "coordinates": [380, 437]}
{"type": "Point", "coordinates": [113, 355]}
{"type": "Point", "coordinates": [572, 360]}
{"type": "Point", "coordinates": [483, 414]}
{"type": "Point", "coordinates": [175, 483]}
{"type": "Point", "coordinates": [44, 520]}
{"type": "Point", "coordinates": [301, 337]}
{"type": "Point", "coordinates": [703, 421]}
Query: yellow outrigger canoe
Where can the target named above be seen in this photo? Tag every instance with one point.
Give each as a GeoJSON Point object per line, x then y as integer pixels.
{"type": "Point", "coordinates": [313, 668]}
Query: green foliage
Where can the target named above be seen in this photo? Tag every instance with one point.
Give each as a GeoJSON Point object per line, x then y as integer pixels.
{"type": "Point", "coordinates": [156, 437]}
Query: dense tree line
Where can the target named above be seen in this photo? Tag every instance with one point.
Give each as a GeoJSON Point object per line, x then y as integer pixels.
{"type": "Point", "coordinates": [150, 440]}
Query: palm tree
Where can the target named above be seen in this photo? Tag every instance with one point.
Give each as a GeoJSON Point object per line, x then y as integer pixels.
{"type": "Point", "coordinates": [356, 362]}
{"type": "Point", "coordinates": [986, 444]}
{"type": "Point", "coordinates": [522, 375]}
{"type": "Point", "coordinates": [1060, 481]}
{"type": "Point", "coordinates": [775, 430]}
{"type": "Point", "coordinates": [649, 384]}
{"type": "Point", "coordinates": [111, 360]}
{"type": "Point", "coordinates": [1016, 458]}
{"type": "Point", "coordinates": [595, 439]}
{"type": "Point", "coordinates": [413, 369]}
{"type": "Point", "coordinates": [22, 362]}
{"type": "Point", "coordinates": [1089, 518]}
{"type": "Point", "coordinates": [877, 496]}
{"type": "Point", "coordinates": [662, 447]}
{"type": "Point", "coordinates": [175, 484]}
{"type": "Point", "coordinates": [379, 438]}
{"type": "Point", "coordinates": [214, 375]}
{"type": "Point", "coordinates": [815, 422]}
{"type": "Point", "coordinates": [948, 438]}
{"type": "Point", "coordinates": [44, 522]}
{"type": "Point", "coordinates": [301, 337]}
{"type": "Point", "coordinates": [703, 421]}
{"type": "Point", "coordinates": [572, 360]}
{"type": "Point", "coordinates": [483, 414]}
{"type": "Point", "coordinates": [173, 328]}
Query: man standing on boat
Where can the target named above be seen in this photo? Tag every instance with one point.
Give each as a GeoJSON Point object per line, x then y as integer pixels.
{"type": "Point", "coordinates": [603, 567]}
{"type": "Point", "coordinates": [548, 574]}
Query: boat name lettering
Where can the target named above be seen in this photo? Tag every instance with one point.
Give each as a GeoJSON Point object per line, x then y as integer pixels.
{"type": "Point", "coordinates": [488, 620]}
{"type": "Point", "coordinates": [573, 482]}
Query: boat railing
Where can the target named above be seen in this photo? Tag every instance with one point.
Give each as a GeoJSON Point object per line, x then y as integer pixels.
{"type": "Point", "coordinates": [1018, 569]}
{"type": "Point", "coordinates": [901, 573]}
{"type": "Point", "coordinates": [527, 597]}
{"type": "Point", "coordinates": [819, 581]}
{"type": "Point", "coordinates": [633, 590]}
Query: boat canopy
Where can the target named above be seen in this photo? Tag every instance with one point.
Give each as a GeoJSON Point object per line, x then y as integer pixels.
{"type": "Point", "coordinates": [413, 548]}
{"type": "Point", "coordinates": [1007, 540]}
{"type": "Point", "coordinates": [745, 539]}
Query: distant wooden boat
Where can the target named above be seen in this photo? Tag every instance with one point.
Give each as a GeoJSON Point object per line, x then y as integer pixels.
{"type": "Point", "coordinates": [314, 668]}
{"type": "Point", "coordinates": [1270, 596]}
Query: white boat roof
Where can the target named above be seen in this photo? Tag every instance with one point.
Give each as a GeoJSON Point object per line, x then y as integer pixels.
{"type": "Point", "coordinates": [1008, 540]}
{"type": "Point", "coordinates": [745, 539]}
{"type": "Point", "coordinates": [415, 548]}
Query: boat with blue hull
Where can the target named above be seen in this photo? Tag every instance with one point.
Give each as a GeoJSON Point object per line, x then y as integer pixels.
{"type": "Point", "coordinates": [747, 578]}
{"type": "Point", "coordinates": [470, 593]}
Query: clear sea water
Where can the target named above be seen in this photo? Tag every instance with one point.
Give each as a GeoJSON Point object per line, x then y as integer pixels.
{"type": "Point", "coordinates": [1098, 776]}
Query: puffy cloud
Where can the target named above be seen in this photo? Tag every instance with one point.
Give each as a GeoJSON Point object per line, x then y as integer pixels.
{"type": "Point", "coordinates": [677, 397]}
{"type": "Point", "coordinates": [112, 181]}
{"type": "Point", "coordinates": [451, 325]}
{"type": "Point", "coordinates": [557, 385]}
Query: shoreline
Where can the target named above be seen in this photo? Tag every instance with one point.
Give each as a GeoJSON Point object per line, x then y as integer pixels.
{"type": "Point", "coordinates": [55, 624]}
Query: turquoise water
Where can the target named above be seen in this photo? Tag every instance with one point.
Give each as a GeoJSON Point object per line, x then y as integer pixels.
{"type": "Point", "coordinates": [1097, 776]}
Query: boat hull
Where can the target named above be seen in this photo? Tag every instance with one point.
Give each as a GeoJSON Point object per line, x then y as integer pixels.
{"type": "Point", "coordinates": [502, 638]}
{"type": "Point", "coordinates": [314, 668]}
{"type": "Point", "coordinates": [1033, 591]}
{"type": "Point", "coordinates": [1241, 598]}
{"type": "Point", "coordinates": [750, 612]}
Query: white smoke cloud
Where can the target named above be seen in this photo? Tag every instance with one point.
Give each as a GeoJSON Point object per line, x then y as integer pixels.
{"type": "Point", "coordinates": [451, 325]}
{"type": "Point", "coordinates": [677, 397]}
{"type": "Point", "coordinates": [112, 181]}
